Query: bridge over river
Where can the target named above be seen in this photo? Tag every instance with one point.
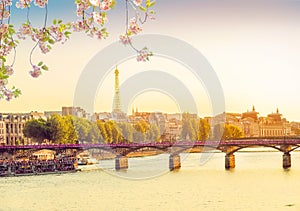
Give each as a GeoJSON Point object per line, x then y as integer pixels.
{"type": "Point", "coordinates": [121, 150]}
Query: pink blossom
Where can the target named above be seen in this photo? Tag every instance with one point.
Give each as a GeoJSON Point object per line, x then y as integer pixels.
{"type": "Point", "coordinates": [7, 2]}
{"type": "Point", "coordinates": [24, 30]}
{"type": "Point", "coordinates": [8, 94]}
{"type": "Point", "coordinates": [23, 4]}
{"type": "Point", "coordinates": [5, 49]}
{"type": "Point", "coordinates": [56, 33]}
{"type": "Point", "coordinates": [79, 26]}
{"type": "Point", "coordinates": [3, 29]}
{"type": "Point", "coordinates": [137, 2]}
{"type": "Point", "coordinates": [98, 33]}
{"type": "Point", "coordinates": [40, 3]}
{"type": "Point", "coordinates": [125, 39]}
{"type": "Point", "coordinates": [95, 2]}
{"type": "Point", "coordinates": [105, 4]}
{"type": "Point", "coordinates": [9, 70]}
{"type": "Point", "coordinates": [3, 13]}
{"type": "Point", "coordinates": [82, 6]}
{"type": "Point", "coordinates": [133, 27]}
{"type": "Point", "coordinates": [44, 48]}
{"type": "Point", "coordinates": [99, 18]}
{"type": "Point", "coordinates": [39, 35]}
{"type": "Point", "coordinates": [36, 72]}
{"type": "Point", "coordinates": [3, 82]}
{"type": "Point", "coordinates": [143, 55]}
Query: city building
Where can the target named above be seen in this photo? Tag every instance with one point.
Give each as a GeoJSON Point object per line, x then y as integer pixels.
{"type": "Point", "coordinates": [74, 111]}
{"type": "Point", "coordinates": [47, 114]}
{"type": "Point", "coordinates": [11, 128]}
{"type": "Point", "coordinates": [255, 126]}
{"type": "Point", "coordinates": [274, 125]}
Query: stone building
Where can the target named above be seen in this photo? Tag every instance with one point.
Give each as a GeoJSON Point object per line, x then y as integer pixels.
{"type": "Point", "coordinates": [11, 128]}
{"type": "Point", "coordinates": [273, 125]}
{"type": "Point", "coordinates": [74, 111]}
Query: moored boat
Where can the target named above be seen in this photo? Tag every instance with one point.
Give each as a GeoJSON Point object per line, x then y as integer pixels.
{"type": "Point", "coordinates": [37, 167]}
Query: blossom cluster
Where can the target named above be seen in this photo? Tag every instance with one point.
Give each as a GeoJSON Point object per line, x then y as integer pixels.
{"type": "Point", "coordinates": [26, 3]}
{"type": "Point", "coordinates": [134, 28]}
{"type": "Point", "coordinates": [144, 54]}
{"type": "Point", "coordinates": [92, 17]}
{"type": "Point", "coordinates": [7, 44]}
{"type": "Point", "coordinates": [23, 4]}
{"type": "Point", "coordinates": [36, 72]}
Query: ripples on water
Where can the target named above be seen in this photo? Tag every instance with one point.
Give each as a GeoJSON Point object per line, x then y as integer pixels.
{"type": "Point", "coordinates": [257, 183]}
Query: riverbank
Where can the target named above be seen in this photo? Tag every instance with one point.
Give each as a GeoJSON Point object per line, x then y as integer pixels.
{"type": "Point", "coordinates": [108, 155]}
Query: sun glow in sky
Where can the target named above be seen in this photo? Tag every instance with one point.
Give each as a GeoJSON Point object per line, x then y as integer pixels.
{"type": "Point", "coordinates": [253, 47]}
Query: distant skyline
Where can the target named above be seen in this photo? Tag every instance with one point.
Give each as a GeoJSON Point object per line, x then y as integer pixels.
{"type": "Point", "coordinates": [253, 47]}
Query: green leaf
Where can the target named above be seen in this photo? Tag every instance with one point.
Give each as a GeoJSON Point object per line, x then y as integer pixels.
{"type": "Point", "coordinates": [11, 31]}
{"type": "Point", "coordinates": [44, 67]}
{"type": "Point", "coordinates": [67, 33]}
{"type": "Point", "coordinates": [152, 4]}
{"type": "Point", "coordinates": [148, 2]}
{"type": "Point", "coordinates": [40, 63]}
{"type": "Point", "coordinates": [113, 4]}
{"type": "Point", "coordinates": [51, 41]}
{"type": "Point", "coordinates": [142, 8]}
{"type": "Point", "coordinates": [17, 92]}
{"type": "Point", "coordinates": [54, 21]}
{"type": "Point", "coordinates": [59, 21]}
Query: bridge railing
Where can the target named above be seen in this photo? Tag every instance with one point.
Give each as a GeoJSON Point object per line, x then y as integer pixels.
{"type": "Point", "coordinates": [249, 141]}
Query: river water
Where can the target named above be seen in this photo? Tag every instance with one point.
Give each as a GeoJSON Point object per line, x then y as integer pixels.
{"type": "Point", "coordinates": [257, 183]}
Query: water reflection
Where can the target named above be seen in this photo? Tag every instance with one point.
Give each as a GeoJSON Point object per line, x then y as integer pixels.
{"type": "Point", "coordinates": [257, 183]}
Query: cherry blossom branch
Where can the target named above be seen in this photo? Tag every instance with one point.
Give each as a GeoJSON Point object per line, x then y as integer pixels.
{"type": "Point", "coordinates": [132, 27]}
{"type": "Point", "coordinates": [92, 19]}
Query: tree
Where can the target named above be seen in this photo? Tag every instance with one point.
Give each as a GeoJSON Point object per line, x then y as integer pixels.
{"type": "Point", "coordinates": [233, 131]}
{"type": "Point", "coordinates": [82, 128]}
{"type": "Point", "coordinates": [37, 130]}
{"type": "Point", "coordinates": [110, 131]}
{"type": "Point", "coordinates": [204, 130]}
{"type": "Point", "coordinates": [154, 133]}
{"type": "Point", "coordinates": [102, 129]}
{"type": "Point", "coordinates": [189, 127]}
{"type": "Point", "coordinates": [87, 131]}
{"type": "Point", "coordinates": [141, 129]}
{"type": "Point", "coordinates": [227, 131]}
{"type": "Point", "coordinates": [61, 129]}
{"type": "Point", "coordinates": [94, 135]}
{"type": "Point", "coordinates": [127, 131]}
{"type": "Point", "coordinates": [93, 16]}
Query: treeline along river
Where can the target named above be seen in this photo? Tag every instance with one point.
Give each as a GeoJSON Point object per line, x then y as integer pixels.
{"type": "Point", "coordinates": [257, 183]}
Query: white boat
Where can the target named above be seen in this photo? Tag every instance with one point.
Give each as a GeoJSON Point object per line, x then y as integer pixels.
{"type": "Point", "coordinates": [91, 161]}
{"type": "Point", "coordinates": [84, 159]}
{"type": "Point", "coordinates": [81, 161]}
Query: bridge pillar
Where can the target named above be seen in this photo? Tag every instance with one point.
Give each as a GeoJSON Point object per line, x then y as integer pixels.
{"type": "Point", "coordinates": [229, 161]}
{"type": "Point", "coordinates": [121, 162]}
{"type": "Point", "coordinates": [174, 162]}
{"type": "Point", "coordinates": [286, 160]}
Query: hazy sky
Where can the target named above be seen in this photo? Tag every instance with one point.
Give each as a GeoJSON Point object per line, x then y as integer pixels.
{"type": "Point", "coordinates": [253, 46]}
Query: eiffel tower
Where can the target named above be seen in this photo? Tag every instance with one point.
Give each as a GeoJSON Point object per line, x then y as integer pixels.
{"type": "Point", "coordinates": [117, 98]}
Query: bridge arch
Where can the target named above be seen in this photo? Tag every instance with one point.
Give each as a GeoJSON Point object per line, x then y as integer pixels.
{"type": "Point", "coordinates": [269, 146]}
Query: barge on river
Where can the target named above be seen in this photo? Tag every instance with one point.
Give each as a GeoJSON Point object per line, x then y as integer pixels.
{"type": "Point", "coordinates": [36, 167]}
